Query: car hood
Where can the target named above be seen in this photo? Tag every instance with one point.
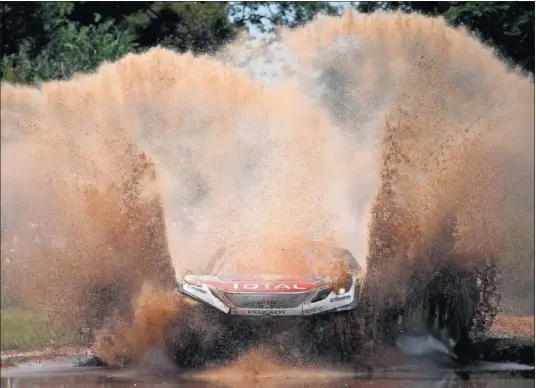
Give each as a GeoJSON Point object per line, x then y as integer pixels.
{"type": "Point", "coordinates": [260, 283]}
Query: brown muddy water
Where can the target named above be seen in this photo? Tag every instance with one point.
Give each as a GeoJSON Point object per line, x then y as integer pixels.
{"type": "Point", "coordinates": [408, 376]}
{"type": "Point", "coordinates": [418, 364]}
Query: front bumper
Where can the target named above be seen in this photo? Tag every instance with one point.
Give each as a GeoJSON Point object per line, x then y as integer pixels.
{"type": "Point", "coordinates": [332, 303]}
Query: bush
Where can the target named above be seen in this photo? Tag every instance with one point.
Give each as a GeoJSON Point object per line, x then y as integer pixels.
{"type": "Point", "coordinates": [74, 49]}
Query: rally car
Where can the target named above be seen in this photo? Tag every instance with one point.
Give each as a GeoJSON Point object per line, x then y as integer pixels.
{"type": "Point", "coordinates": [312, 314]}
{"type": "Point", "coordinates": [292, 304]}
{"type": "Point", "coordinates": [279, 294]}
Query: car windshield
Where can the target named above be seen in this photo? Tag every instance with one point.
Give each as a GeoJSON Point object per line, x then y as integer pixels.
{"type": "Point", "coordinates": [303, 257]}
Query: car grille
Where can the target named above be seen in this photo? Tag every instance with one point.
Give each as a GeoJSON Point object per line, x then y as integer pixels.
{"type": "Point", "coordinates": [267, 300]}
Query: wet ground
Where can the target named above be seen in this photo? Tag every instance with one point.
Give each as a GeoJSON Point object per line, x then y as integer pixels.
{"type": "Point", "coordinates": [421, 364]}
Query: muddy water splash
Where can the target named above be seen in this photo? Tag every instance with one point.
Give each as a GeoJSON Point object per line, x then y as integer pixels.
{"type": "Point", "coordinates": [145, 134]}
{"type": "Point", "coordinates": [452, 129]}
{"type": "Point", "coordinates": [395, 135]}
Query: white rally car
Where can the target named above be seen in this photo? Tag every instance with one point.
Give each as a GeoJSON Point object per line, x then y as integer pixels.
{"type": "Point", "coordinates": [278, 295]}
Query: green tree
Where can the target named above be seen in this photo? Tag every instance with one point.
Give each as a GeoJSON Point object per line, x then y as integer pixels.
{"type": "Point", "coordinates": [71, 49]}
{"type": "Point", "coordinates": [266, 16]}
{"type": "Point", "coordinates": [184, 26]}
{"type": "Point", "coordinates": [54, 40]}
{"type": "Point", "coordinates": [28, 23]}
{"type": "Point", "coordinates": [41, 43]}
{"type": "Point", "coordinates": [507, 26]}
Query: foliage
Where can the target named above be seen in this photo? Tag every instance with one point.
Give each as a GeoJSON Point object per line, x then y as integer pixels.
{"type": "Point", "coordinates": [508, 26]}
{"type": "Point", "coordinates": [196, 26]}
{"type": "Point", "coordinates": [74, 49]}
{"type": "Point", "coordinates": [54, 40]}
{"type": "Point", "coordinates": [266, 16]}
{"type": "Point", "coordinates": [69, 47]}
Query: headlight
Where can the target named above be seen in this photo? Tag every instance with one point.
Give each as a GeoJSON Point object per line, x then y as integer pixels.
{"type": "Point", "coordinates": [341, 290]}
{"type": "Point", "coordinates": [342, 284]}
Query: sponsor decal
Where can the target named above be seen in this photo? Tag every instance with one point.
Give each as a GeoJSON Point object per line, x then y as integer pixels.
{"type": "Point", "coordinates": [266, 312]}
{"type": "Point", "coordinates": [263, 285]}
{"type": "Point", "coordinates": [199, 289]}
{"type": "Point", "coordinates": [267, 286]}
{"type": "Point", "coordinates": [313, 310]}
{"type": "Point", "coordinates": [339, 298]}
